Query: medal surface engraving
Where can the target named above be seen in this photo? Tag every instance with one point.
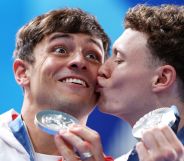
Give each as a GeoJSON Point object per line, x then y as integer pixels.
{"type": "Point", "coordinates": [51, 121]}
{"type": "Point", "coordinates": [159, 117]}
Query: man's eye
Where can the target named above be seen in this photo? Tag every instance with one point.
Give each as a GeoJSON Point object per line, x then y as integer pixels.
{"type": "Point", "coordinates": [118, 61]}
{"type": "Point", "coordinates": [93, 57]}
{"type": "Point", "coordinates": [60, 50]}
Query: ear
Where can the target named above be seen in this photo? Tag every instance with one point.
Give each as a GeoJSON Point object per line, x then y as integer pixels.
{"type": "Point", "coordinates": [20, 69]}
{"type": "Point", "coordinates": [164, 78]}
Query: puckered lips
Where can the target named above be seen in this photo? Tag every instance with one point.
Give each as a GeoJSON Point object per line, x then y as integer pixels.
{"type": "Point", "coordinates": [74, 80]}
{"type": "Point", "coordinates": [99, 85]}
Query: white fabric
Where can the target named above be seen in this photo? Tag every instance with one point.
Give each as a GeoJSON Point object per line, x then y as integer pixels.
{"type": "Point", "coordinates": [123, 157]}
{"type": "Point", "coordinates": [44, 157]}
{"type": "Point", "coordinates": [10, 148]}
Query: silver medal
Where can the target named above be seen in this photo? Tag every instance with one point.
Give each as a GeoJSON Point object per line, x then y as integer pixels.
{"type": "Point", "coordinates": [162, 116]}
{"type": "Point", "coordinates": [51, 121]}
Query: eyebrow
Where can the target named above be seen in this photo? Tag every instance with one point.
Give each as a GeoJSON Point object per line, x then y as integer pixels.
{"type": "Point", "coordinates": [59, 35]}
{"type": "Point", "coordinates": [65, 35]}
{"type": "Point", "coordinates": [115, 50]}
{"type": "Point", "coordinates": [95, 42]}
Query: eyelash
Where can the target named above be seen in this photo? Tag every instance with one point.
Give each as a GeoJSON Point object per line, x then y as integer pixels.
{"type": "Point", "coordinates": [58, 52]}
{"type": "Point", "coordinates": [118, 61]}
{"type": "Point", "coordinates": [96, 59]}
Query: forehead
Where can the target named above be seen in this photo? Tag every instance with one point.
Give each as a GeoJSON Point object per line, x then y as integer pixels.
{"type": "Point", "coordinates": [133, 43]}
{"type": "Point", "coordinates": [131, 37]}
{"type": "Point", "coordinates": [73, 41]}
{"type": "Point", "coordinates": [75, 37]}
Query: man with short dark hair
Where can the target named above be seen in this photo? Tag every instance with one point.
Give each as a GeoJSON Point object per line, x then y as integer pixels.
{"type": "Point", "coordinates": [57, 58]}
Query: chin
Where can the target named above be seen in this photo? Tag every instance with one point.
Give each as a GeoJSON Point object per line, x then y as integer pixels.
{"type": "Point", "coordinates": [103, 106]}
{"type": "Point", "coordinates": [108, 107]}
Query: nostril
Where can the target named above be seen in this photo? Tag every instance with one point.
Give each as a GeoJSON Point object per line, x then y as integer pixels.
{"type": "Point", "coordinates": [78, 66]}
{"type": "Point", "coordinates": [84, 67]}
{"type": "Point", "coordinates": [74, 65]}
{"type": "Point", "coordinates": [103, 74]}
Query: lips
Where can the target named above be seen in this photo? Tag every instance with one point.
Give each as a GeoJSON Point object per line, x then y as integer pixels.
{"type": "Point", "coordinates": [74, 80]}
{"type": "Point", "coordinates": [98, 88]}
{"type": "Point", "coordinates": [100, 84]}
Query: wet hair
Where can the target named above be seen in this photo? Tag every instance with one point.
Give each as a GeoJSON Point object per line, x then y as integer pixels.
{"type": "Point", "coordinates": [67, 20]}
{"type": "Point", "coordinates": [164, 27]}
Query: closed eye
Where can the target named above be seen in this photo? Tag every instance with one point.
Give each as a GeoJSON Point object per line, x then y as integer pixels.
{"type": "Point", "coordinates": [118, 56]}
{"type": "Point", "coordinates": [118, 61]}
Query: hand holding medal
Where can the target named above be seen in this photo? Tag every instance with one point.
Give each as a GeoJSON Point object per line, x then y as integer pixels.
{"type": "Point", "coordinates": [55, 122]}
{"type": "Point", "coordinates": [159, 117]}
{"type": "Point", "coordinates": [156, 132]}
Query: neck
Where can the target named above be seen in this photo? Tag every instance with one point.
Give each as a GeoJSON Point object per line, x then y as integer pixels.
{"type": "Point", "coordinates": [39, 139]}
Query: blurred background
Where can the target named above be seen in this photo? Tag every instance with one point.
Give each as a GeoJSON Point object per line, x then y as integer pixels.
{"type": "Point", "coordinates": [115, 134]}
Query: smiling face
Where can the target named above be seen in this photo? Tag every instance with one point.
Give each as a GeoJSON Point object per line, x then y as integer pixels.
{"type": "Point", "coordinates": [64, 74]}
{"type": "Point", "coordinates": [126, 78]}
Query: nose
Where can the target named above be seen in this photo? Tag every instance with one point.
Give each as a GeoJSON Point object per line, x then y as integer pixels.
{"type": "Point", "coordinates": [78, 62]}
{"type": "Point", "coordinates": [105, 70]}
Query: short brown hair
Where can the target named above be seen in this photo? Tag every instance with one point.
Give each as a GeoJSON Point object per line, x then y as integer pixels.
{"type": "Point", "coordinates": [164, 26]}
{"type": "Point", "coordinates": [68, 20]}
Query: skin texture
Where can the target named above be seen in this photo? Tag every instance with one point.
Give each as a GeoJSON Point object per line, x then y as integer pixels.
{"type": "Point", "coordinates": [62, 56]}
{"type": "Point", "coordinates": [119, 74]}
{"type": "Point", "coordinates": [160, 144]}
{"type": "Point", "coordinates": [57, 57]}
{"type": "Point", "coordinates": [131, 83]}
{"type": "Point", "coordinates": [141, 86]}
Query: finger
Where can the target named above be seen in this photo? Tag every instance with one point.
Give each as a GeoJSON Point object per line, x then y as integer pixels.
{"type": "Point", "coordinates": [174, 142]}
{"type": "Point", "coordinates": [158, 145]}
{"type": "Point", "coordinates": [87, 134]}
{"type": "Point", "coordinates": [160, 139]}
{"type": "Point", "coordinates": [80, 147]}
{"type": "Point", "coordinates": [74, 140]}
{"type": "Point", "coordinates": [165, 150]}
{"type": "Point", "coordinates": [142, 151]}
{"type": "Point", "coordinates": [65, 150]}
{"type": "Point", "coordinates": [149, 140]}
{"type": "Point", "coordinates": [170, 135]}
{"type": "Point", "coordinates": [91, 137]}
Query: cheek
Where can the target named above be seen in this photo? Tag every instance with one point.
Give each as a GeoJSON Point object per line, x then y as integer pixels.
{"type": "Point", "coordinates": [93, 72]}
{"type": "Point", "coordinates": [51, 66]}
{"type": "Point", "coordinates": [117, 80]}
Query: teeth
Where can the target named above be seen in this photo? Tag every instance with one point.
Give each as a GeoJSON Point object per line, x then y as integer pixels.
{"type": "Point", "coordinates": [74, 80]}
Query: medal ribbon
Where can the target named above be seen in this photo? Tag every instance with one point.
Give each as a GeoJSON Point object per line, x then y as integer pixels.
{"type": "Point", "coordinates": [20, 132]}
